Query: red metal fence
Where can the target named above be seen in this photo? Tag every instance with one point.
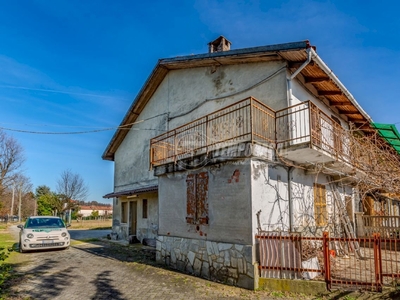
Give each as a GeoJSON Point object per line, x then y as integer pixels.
{"type": "Point", "coordinates": [366, 263]}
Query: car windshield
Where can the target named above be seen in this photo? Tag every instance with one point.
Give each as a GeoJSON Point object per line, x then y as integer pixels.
{"type": "Point", "coordinates": [44, 223]}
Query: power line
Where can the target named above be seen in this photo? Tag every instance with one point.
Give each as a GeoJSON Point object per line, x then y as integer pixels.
{"type": "Point", "coordinates": [123, 127]}
{"type": "Point", "coordinates": [54, 91]}
{"type": "Point", "coordinates": [76, 132]}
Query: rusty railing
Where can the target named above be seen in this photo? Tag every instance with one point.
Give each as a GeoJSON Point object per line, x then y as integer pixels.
{"type": "Point", "coordinates": [306, 123]}
{"type": "Point", "coordinates": [330, 259]}
{"type": "Point", "coordinates": [245, 121]}
{"type": "Point", "coordinates": [249, 120]}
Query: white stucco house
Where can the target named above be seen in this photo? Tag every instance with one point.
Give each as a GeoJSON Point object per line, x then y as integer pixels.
{"type": "Point", "coordinates": [229, 143]}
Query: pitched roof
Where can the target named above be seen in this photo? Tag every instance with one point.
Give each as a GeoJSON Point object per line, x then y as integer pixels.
{"type": "Point", "coordinates": [316, 77]}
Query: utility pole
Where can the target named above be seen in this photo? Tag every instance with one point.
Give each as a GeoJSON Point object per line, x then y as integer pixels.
{"type": "Point", "coordinates": [12, 201]}
{"type": "Point", "coordinates": [19, 203]}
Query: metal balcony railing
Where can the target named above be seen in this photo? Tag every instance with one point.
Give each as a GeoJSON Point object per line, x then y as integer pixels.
{"type": "Point", "coordinates": [305, 123]}
{"type": "Point", "coordinates": [249, 120]}
{"type": "Point", "coordinates": [245, 121]}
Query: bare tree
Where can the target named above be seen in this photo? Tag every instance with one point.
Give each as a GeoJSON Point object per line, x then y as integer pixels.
{"type": "Point", "coordinates": [72, 186]}
{"type": "Point", "coordinates": [11, 160]}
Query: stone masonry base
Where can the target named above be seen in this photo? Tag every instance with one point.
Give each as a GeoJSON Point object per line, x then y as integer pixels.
{"type": "Point", "coordinates": [227, 263]}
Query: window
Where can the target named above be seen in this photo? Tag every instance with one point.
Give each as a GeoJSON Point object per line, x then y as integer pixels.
{"type": "Point", "coordinates": [197, 198]}
{"type": "Point", "coordinates": [320, 213]}
{"type": "Point", "coordinates": [124, 212]}
{"type": "Point", "coordinates": [144, 208]}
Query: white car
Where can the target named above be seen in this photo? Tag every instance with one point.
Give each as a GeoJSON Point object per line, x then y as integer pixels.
{"type": "Point", "coordinates": [43, 232]}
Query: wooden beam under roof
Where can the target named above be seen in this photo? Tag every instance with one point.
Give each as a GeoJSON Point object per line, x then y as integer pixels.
{"type": "Point", "coordinates": [339, 103]}
{"type": "Point", "coordinates": [330, 93]}
{"type": "Point", "coordinates": [308, 79]}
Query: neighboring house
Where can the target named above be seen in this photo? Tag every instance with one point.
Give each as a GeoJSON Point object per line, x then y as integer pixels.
{"type": "Point", "coordinates": [87, 210]}
{"type": "Point", "coordinates": [238, 142]}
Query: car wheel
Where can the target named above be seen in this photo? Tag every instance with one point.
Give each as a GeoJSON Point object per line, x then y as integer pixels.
{"type": "Point", "coordinates": [20, 248]}
{"type": "Point", "coordinates": [66, 248]}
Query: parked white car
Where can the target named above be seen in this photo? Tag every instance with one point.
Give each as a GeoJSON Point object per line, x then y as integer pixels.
{"type": "Point", "coordinates": [43, 232]}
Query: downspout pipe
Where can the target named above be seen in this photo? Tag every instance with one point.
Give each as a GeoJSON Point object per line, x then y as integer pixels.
{"type": "Point", "coordinates": [290, 198]}
{"type": "Point", "coordinates": [295, 73]}
{"type": "Point", "coordinates": [336, 80]}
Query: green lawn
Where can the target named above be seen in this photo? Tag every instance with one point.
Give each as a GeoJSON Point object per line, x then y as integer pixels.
{"type": "Point", "coordinates": [7, 244]}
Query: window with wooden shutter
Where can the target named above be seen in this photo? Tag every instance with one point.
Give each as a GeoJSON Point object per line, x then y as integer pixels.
{"type": "Point", "coordinates": [320, 212]}
{"type": "Point", "coordinates": [197, 198]}
{"type": "Point", "coordinates": [191, 198]}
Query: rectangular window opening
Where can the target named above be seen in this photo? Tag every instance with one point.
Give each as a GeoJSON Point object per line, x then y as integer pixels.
{"type": "Point", "coordinates": [124, 212]}
{"type": "Point", "coordinates": [144, 212]}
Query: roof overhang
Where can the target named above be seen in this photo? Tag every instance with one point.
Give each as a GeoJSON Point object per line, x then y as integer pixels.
{"type": "Point", "coordinates": [132, 192]}
{"type": "Point", "coordinates": [318, 80]}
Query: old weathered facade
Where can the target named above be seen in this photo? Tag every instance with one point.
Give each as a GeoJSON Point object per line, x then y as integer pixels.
{"type": "Point", "coordinates": [230, 143]}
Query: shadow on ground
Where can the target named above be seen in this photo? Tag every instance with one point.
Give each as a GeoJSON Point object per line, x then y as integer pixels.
{"type": "Point", "coordinates": [48, 285]}
{"type": "Point", "coordinates": [131, 253]}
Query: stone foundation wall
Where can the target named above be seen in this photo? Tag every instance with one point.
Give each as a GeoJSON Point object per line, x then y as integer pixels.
{"type": "Point", "coordinates": [227, 263]}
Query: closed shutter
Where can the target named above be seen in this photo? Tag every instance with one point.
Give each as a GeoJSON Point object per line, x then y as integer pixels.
{"type": "Point", "coordinates": [190, 198]}
{"type": "Point", "coordinates": [202, 198]}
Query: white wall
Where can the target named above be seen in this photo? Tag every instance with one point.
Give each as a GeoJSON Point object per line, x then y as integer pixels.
{"type": "Point", "coordinates": [300, 94]}
{"type": "Point", "coordinates": [229, 204]}
{"type": "Point", "coordinates": [186, 95]}
{"type": "Point", "coordinates": [270, 195]}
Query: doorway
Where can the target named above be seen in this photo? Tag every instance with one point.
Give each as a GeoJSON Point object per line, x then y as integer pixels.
{"type": "Point", "coordinates": [132, 217]}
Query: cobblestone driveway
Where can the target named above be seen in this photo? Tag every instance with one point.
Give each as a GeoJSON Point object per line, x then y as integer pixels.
{"type": "Point", "coordinates": [102, 270]}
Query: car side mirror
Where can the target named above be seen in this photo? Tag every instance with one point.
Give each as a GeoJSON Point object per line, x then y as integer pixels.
{"type": "Point", "coordinates": [68, 225]}
{"type": "Point", "coordinates": [20, 226]}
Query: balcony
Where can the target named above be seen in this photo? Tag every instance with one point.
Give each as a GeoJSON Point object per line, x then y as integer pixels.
{"type": "Point", "coordinates": [302, 134]}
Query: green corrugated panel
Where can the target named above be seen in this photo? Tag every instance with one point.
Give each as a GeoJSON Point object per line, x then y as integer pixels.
{"type": "Point", "coordinates": [389, 133]}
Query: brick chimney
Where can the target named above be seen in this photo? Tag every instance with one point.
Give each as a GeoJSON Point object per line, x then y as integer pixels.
{"type": "Point", "coordinates": [219, 45]}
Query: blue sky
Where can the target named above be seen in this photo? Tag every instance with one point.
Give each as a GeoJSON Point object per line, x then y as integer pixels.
{"type": "Point", "coordinates": [73, 66]}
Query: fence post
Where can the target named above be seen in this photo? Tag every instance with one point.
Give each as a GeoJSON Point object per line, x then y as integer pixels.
{"type": "Point", "coordinates": [378, 261]}
{"type": "Point", "coordinates": [327, 261]}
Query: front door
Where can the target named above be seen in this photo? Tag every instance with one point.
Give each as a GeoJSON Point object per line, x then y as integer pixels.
{"type": "Point", "coordinates": [132, 217]}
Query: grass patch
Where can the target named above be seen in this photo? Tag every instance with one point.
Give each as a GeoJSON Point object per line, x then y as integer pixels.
{"type": "Point", "coordinates": [6, 246]}
{"type": "Point", "coordinates": [91, 224]}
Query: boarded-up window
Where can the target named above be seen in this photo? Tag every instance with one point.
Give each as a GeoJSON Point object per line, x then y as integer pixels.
{"type": "Point", "coordinates": [144, 207]}
{"type": "Point", "coordinates": [124, 212]}
{"type": "Point", "coordinates": [320, 213]}
{"type": "Point", "coordinates": [197, 198]}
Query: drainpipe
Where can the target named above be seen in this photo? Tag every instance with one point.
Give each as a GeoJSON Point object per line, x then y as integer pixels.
{"type": "Point", "coordinates": [291, 215]}
{"type": "Point", "coordinates": [310, 53]}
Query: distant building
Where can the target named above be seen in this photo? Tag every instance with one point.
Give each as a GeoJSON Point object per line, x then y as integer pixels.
{"type": "Point", "coordinates": [86, 210]}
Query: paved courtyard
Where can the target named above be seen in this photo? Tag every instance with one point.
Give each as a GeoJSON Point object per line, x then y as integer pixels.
{"type": "Point", "coordinates": [105, 270]}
